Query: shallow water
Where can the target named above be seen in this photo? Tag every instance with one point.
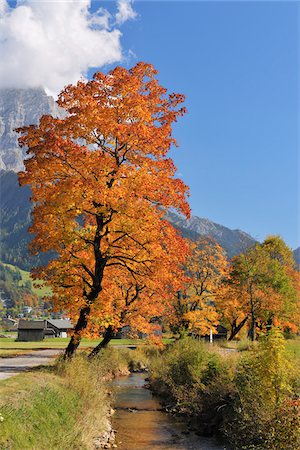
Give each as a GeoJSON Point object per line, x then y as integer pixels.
{"type": "Point", "coordinates": [142, 425]}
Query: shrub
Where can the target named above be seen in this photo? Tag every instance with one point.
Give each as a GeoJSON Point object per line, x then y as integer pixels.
{"type": "Point", "coordinates": [265, 410]}
{"type": "Point", "coordinates": [183, 371]}
{"type": "Point", "coordinates": [251, 398]}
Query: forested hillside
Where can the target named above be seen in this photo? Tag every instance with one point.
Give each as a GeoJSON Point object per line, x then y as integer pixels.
{"type": "Point", "coordinates": [17, 290]}
{"type": "Point", "coordinates": [15, 217]}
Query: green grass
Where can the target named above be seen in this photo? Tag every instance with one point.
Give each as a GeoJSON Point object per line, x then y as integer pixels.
{"type": "Point", "coordinates": [10, 347]}
{"type": "Point", "coordinates": [41, 291]}
{"type": "Point", "coordinates": [62, 407]}
{"type": "Point", "coordinates": [61, 343]}
{"type": "Point", "coordinates": [293, 347]}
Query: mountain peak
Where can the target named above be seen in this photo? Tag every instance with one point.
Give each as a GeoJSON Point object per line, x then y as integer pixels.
{"type": "Point", "coordinates": [19, 107]}
{"type": "Point", "coordinates": [233, 241]}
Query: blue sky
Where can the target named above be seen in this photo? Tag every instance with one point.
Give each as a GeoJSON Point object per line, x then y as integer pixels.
{"type": "Point", "coordinates": [238, 65]}
{"type": "Point", "coordinates": [236, 62]}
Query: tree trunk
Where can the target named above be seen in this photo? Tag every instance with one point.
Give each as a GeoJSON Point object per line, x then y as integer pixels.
{"type": "Point", "coordinates": [251, 332]}
{"type": "Point", "coordinates": [235, 329]}
{"type": "Point", "coordinates": [96, 288]}
{"type": "Point", "coordinates": [108, 335]}
{"type": "Point", "coordinates": [269, 324]}
{"type": "Point", "coordinates": [76, 338]}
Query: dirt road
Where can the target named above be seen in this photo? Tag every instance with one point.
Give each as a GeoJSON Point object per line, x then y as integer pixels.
{"type": "Point", "coordinates": [12, 366]}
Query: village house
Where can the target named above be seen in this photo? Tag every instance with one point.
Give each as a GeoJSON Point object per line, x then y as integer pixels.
{"type": "Point", "coordinates": [37, 330]}
{"type": "Point", "coordinates": [59, 326]}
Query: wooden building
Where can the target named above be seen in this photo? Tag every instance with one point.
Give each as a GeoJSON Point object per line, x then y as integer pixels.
{"type": "Point", "coordinates": [31, 330]}
{"type": "Point", "coordinates": [37, 330]}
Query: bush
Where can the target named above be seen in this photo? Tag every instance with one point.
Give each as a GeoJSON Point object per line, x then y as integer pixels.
{"type": "Point", "coordinates": [266, 412]}
{"type": "Point", "coordinates": [113, 362]}
{"type": "Point", "coordinates": [110, 363]}
{"type": "Point", "coordinates": [183, 371]}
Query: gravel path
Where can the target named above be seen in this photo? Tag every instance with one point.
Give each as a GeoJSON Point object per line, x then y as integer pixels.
{"type": "Point", "coordinates": [12, 366]}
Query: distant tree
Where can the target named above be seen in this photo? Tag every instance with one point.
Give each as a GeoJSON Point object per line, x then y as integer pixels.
{"type": "Point", "coordinates": [16, 276]}
{"type": "Point", "coordinates": [101, 179]}
{"type": "Point", "coordinates": [232, 305]}
{"type": "Point", "coordinates": [193, 308]}
{"type": "Point", "coordinates": [260, 289]}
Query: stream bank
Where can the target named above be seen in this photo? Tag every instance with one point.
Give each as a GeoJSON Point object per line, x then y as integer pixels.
{"type": "Point", "coordinates": [142, 424]}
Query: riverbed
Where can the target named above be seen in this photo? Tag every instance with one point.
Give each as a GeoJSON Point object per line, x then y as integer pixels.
{"type": "Point", "coordinates": [142, 424]}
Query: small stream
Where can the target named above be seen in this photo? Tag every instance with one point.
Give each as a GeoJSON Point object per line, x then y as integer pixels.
{"type": "Point", "coordinates": [141, 423]}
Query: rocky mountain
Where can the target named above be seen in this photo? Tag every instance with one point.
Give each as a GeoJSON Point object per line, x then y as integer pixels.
{"type": "Point", "coordinates": [233, 241]}
{"type": "Point", "coordinates": [20, 107]}
{"type": "Point", "coordinates": [297, 256]}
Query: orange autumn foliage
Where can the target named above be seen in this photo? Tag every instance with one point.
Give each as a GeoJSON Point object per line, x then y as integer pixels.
{"type": "Point", "coordinates": [194, 308]}
{"type": "Point", "coordinates": [101, 179]}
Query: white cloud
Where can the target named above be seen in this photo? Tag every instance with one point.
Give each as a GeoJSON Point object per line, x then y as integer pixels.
{"type": "Point", "coordinates": [125, 11]}
{"type": "Point", "coordinates": [53, 43]}
{"type": "Point", "coordinates": [3, 7]}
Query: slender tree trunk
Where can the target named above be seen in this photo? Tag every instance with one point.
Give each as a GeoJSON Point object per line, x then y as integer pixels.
{"type": "Point", "coordinates": [251, 333]}
{"type": "Point", "coordinates": [236, 328]}
{"type": "Point", "coordinates": [269, 324]}
{"type": "Point", "coordinates": [108, 335]}
{"type": "Point", "coordinates": [76, 338]}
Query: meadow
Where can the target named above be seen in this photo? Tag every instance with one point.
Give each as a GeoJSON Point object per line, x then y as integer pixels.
{"type": "Point", "coordinates": [10, 347]}
{"type": "Point", "coordinates": [37, 287]}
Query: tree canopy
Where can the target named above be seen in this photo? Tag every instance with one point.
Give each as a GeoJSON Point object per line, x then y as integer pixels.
{"type": "Point", "coordinates": [101, 181]}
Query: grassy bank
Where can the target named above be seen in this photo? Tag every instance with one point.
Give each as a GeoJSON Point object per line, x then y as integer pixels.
{"type": "Point", "coordinates": [293, 347]}
{"type": "Point", "coordinates": [251, 398]}
{"type": "Point", "coordinates": [64, 406]}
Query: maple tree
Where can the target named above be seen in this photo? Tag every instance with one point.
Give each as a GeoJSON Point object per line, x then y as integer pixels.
{"type": "Point", "coordinates": [261, 289]}
{"type": "Point", "coordinates": [232, 305]}
{"type": "Point", "coordinates": [101, 180]}
{"type": "Point", "coordinates": [193, 307]}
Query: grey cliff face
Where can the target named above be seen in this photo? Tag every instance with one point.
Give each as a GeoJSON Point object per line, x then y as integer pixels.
{"type": "Point", "coordinates": [233, 241]}
{"type": "Point", "coordinates": [297, 257]}
{"type": "Point", "coordinates": [19, 107]}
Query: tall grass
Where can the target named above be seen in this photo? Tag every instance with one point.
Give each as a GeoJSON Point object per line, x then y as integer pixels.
{"type": "Point", "coordinates": [183, 371]}
{"type": "Point", "coordinates": [64, 407]}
